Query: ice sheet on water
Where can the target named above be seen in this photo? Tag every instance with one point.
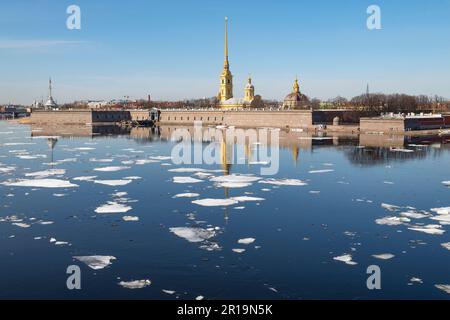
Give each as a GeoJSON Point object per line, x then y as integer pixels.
{"type": "Point", "coordinates": [113, 183]}
{"type": "Point", "coordinates": [186, 195]}
{"type": "Point", "coordinates": [21, 225]}
{"type": "Point", "coordinates": [161, 158]}
{"type": "Point", "coordinates": [46, 173]}
{"type": "Point", "coordinates": [284, 182]}
{"type": "Point", "coordinates": [446, 245]}
{"type": "Point", "coordinates": [233, 185]}
{"type": "Point", "coordinates": [238, 250]}
{"type": "Point", "coordinates": [443, 287]}
{"type": "Point", "coordinates": [392, 221]}
{"type": "Point", "coordinates": [433, 229]}
{"type": "Point", "coordinates": [184, 180]}
{"type": "Point", "coordinates": [111, 169]}
{"type": "Point", "coordinates": [446, 183]}
{"type": "Point", "coordinates": [85, 178]}
{"type": "Point", "coordinates": [441, 211]}
{"type": "Point", "coordinates": [96, 262]}
{"type": "Point", "coordinates": [40, 183]}
{"type": "Point", "coordinates": [346, 258]}
{"type": "Point", "coordinates": [193, 234]}
{"type": "Point", "coordinates": [130, 219]}
{"type": "Point", "coordinates": [246, 199]}
{"type": "Point", "coordinates": [321, 171]}
{"type": "Point", "coordinates": [101, 160]}
{"type": "Point", "coordinates": [246, 241]}
{"type": "Point", "coordinates": [234, 178]}
{"type": "Point", "coordinates": [113, 207]}
{"type": "Point", "coordinates": [383, 256]}
{"type": "Point", "coordinates": [135, 284]}
{"type": "Point", "coordinates": [215, 202]}
{"type": "Point", "coordinates": [412, 214]}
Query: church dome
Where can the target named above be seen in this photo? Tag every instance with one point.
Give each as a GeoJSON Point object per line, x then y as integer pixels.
{"type": "Point", "coordinates": [295, 99]}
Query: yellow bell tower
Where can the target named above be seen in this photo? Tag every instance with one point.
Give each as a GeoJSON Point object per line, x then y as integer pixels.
{"type": "Point", "coordinates": [226, 78]}
{"type": "Point", "coordinates": [249, 91]}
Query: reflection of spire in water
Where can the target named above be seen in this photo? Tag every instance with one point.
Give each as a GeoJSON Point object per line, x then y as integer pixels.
{"type": "Point", "coordinates": [248, 151]}
{"type": "Point", "coordinates": [295, 153]}
{"type": "Point", "coordinates": [224, 157]}
{"type": "Point", "coordinates": [51, 142]}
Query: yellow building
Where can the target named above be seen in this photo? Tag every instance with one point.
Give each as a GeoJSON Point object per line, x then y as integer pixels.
{"type": "Point", "coordinates": [225, 96]}
{"type": "Point", "coordinates": [296, 100]}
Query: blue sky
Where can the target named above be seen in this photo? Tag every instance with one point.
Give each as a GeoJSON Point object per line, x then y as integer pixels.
{"type": "Point", "coordinates": [173, 49]}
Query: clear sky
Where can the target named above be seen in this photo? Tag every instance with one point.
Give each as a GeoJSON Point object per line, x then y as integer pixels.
{"type": "Point", "coordinates": [173, 49]}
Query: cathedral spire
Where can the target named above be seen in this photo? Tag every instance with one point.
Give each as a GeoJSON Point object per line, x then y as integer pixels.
{"type": "Point", "coordinates": [226, 42]}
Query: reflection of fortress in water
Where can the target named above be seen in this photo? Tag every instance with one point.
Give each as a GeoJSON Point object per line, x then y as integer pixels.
{"type": "Point", "coordinates": [368, 149]}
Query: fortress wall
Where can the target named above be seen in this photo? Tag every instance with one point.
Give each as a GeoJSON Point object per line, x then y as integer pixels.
{"type": "Point", "coordinates": [277, 119]}
{"type": "Point", "coordinates": [382, 125]}
{"type": "Point", "coordinates": [61, 117]}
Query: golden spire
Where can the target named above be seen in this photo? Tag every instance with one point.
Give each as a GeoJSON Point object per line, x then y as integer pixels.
{"type": "Point", "coordinates": [296, 86]}
{"type": "Point", "coordinates": [226, 43]}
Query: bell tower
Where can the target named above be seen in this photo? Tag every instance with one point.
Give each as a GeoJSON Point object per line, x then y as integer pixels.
{"type": "Point", "coordinates": [226, 78]}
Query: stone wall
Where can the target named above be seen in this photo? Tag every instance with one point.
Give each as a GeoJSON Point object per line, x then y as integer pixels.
{"type": "Point", "coordinates": [277, 119]}
{"type": "Point", "coordinates": [382, 125]}
{"type": "Point", "coordinates": [62, 117]}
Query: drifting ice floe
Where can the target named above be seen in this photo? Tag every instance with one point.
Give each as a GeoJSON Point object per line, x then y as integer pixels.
{"type": "Point", "coordinates": [246, 198]}
{"type": "Point", "coordinates": [390, 207]}
{"type": "Point", "coordinates": [392, 221]}
{"type": "Point", "coordinates": [446, 245]}
{"type": "Point", "coordinates": [401, 150]}
{"type": "Point", "coordinates": [443, 287]}
{"type": "Point", "coordinates": [130, 219]}
{"type": "Point", "coordinates": [183, 180]}
{"type": "Point", "coordinates": [193, 234]}
{"type": "Point", "coordinates": [7, 169]}
{"type": "Point", "coordinates": [101, 160]}
{"type": "Point", "coordinates": [383, 256]}
{"type": "Point", "coordinates": [346, 258]}
{"type": "Point", "coordinates": [113, 183]}
{"type": "Point", "coordinates": [238, 250]}
{"type": "Point", "coordinates": [284, 182]}
{"type": "Point", "coordinates": [111, 169]}
{"type": "Point", "coordinates": [161, 158]}
{"type": "Point", "coordinates": [233, 178]}
{"type": "Point", "coordinates": [137, 284]}
{"type": "Point", "coordinates": [246, 241]}
{"type": "Point", "coordinates": [446, 183]}
{"type": "Point", "coordinates": [96, 262]}
{"type": "Point", "coordinates": [215, 202]}
{"type": "Point", "coordinates": [41, 183]}
{"type": "Point", "coordinates": [441, 211]}
{"type": "Point", "coordinates": [113, 207]}
{"type": "Point", "coordinates": [434, 229]}
{"type": "Point", "coordinates": [21, 225]}
{"type": "Point", "coordinates": [46, 173]}
{"type": "Point", "coordinates": [321, 171]}
{"type": "Point", "coordinates": [86, 178]}
{"type": "Point", "coordinates": [186, 195]}
{"type": "Point", "coordinates": [233, 185]}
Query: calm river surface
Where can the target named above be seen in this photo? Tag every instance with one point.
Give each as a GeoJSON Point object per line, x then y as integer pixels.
{"type": "Point", "coordinates": [113, 202]}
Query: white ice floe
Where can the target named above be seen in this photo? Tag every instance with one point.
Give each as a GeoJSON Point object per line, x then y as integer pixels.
{"type": "Point", "coordinates": [186, 195]}
{"type": "Point", "coordinates": [383, 256]}
{"type": "Point", "coordinates": [321, 171]}
{"type": "Point", "coordinates": [193, 234]}
{"type": "Point", "coordinates": [247, 199]}
{"type": "Point", "coordinates": [238, 250]}
{"type": "Point", "coordinates": [133, 178]}
{"type": "Point", "coordinates": [7, 169]}
{"type": "Point", "coordinates": [32, 157]}
{"type": "Point", "coordinates": [113, 183]}
{"type": "Point", "coordinates": [130, 219]}
{"type": "Point", "coordinates": [21, 225]}
{"type": "Point", "coordinates": [40, 183]}
{"type": "Point", "coordinates": [446, 245]}
{"type": "Point", "coordinates": [443, 287]}
{"type": "Point", "coordinates": [170, 292]}
{"type": "Point", "coordinates": [390, 207]}
{"type": "Point", "coordinates": [415, 280]}
{"type": "Point", "coordinates": [446, 183]}
{"type": "Point", "coordinates": [433, 229]}
{"type": "Point", "coordinates": [246, 241]}
{"type": "Point", "coordinates": [85, 178]}
{"type": "Point", "coordinates": [284, 182]}
{"type": "Point", "coordinates": [442, 218]}
{"type": "Point", "coordinates": [414, 214]}
{"type": "Point", "coordinates": [111, 169]}
{"type": "Point", "coordinates": [46, 173]}
{"type": "Point", "coordinates": [233, 185]}
{"type": "Point", "coordinates": [142, 162]}
{"type": "Point", "coordinates": [113, 207]}
{"type": "Point", "coordinates": [215, 202]}
{"type": "Point", "coordinates": [185, 180]}
{"type": "Point", "coordinates": [161, 158]}
{"type": "Point", "coordinates": [96, 262]}
{"type": "Point", "coordinates": [136, 284]}
{"type": "Point", "coordinates": [392, 221]}
{"type": "Point", "coordinates": [441, 211]}
{"type": "Point", "coordinates": [101, 160]}
{"type": "Point", "coordinates": [199, 298]}
{"type": "Point", "coordinates": [346, 258]}
{"type": "Point", "coordinates": [233, 178]}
